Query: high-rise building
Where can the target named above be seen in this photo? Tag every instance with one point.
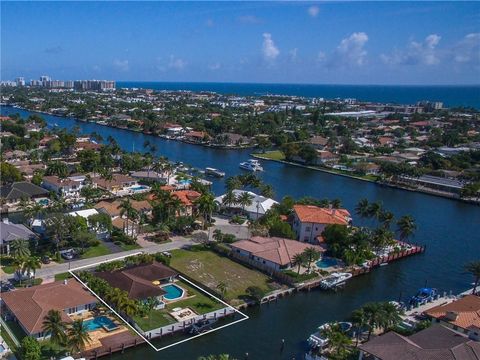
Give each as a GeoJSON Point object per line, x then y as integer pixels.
{"type": "Point", "coordinates": [20, 81]}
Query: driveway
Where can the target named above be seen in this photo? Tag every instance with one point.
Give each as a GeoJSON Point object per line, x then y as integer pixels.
{"type": "Point", "coordinates": [240, 231]}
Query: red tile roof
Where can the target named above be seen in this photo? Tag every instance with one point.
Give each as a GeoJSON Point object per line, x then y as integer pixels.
{"type": "Point", "coordinates": [463, 313]}
{"type": "Point", "coordinates": [277, 250]}
{"type": "Point", "coordinates": [318, 215]}
{"type": "Point", "coordinates": [187, 197]}
{"type": "Point", "coordinates": [30, 305]}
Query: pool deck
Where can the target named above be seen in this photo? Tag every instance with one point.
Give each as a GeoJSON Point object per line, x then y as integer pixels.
{"type": "Point", "coordinates": [116, 341]}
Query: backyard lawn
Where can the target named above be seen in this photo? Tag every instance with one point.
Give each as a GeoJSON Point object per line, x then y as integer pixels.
{"type": "Point", "coordinates": [211, 269]}
{"type": "Point", "coordinates": [199, 302]}
{"type": "Point", "coordinates": [272, 155]}
{"type": "Point", "coordinates": [62, 276]}
{"type": "Point", "coordinates": [7, 266]}
{"type": "Point", "coordinates": [99, 250]}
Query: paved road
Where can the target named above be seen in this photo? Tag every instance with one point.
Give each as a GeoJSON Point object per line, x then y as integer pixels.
{"type": "Point", "coordinates": [50, 271]}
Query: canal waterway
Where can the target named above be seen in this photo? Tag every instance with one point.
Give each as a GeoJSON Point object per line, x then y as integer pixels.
{"type": "Point", "coordinates": [449, 229]}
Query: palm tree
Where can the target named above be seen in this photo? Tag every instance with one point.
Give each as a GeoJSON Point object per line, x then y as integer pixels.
{"type": "Point", "coordinates": [299, 260]}
{"type": "Point", "coordinates": [206, 205]}
{"type": "Point", "coordinates": [336, 203]}
{"type": "Point", "coordinates": [338, 341]}
{"type": "Point", "coordinates": [17, 264]}
{"type": "Point", "coordinates": [362, 208]}
{"type": "Point", "coordinates": [373, 313]}
{"type": "Point", "coordinates": [233, 183]}
{"type": "Point", "coordinates": [57, 168]}
{"type": "Point", "coordinates": [127, 209]}
{"type": "Point", "coordinates": [390, 316]}
{"type": "Point", "coordinates": [222, 288]}
{"type": "Point", "coordinates": [216, 357]}
{"type": "Point", "coordinates": [406, 227]}
{"type": "Point", "coordinates": [19, 248]}
{"type": "Point", "coordinates": [245, 199]}
{"type": "Point", "coordinates": [229, 199]}
{"type": "Point", "coordinates": [129, 308]}
{"type": "Point", "coordinates": [474, 269]}
{"type": "Point", "coordinates": [78, 336]}
{"type": "Point", "coordinates": [311, 254]}
{"type": "Point", "coordinates": [54, 325]}
{"type": "Point", "coordinates": [359, 322]}
{"type": "Point", "coordinates": [375, 210]}
{"type": "Point", "coordinates": [386, 217]}
{"type": "Point", "coordinates": [31, 265]}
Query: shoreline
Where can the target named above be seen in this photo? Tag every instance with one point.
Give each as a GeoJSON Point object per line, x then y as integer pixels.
{"type": "Point", "coordinates": [214, 146]}
{"type": "Point", "coordinates": [394, 186]}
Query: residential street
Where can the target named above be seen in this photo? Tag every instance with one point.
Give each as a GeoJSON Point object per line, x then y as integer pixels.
{"type": "Point", "coordinates": [47, 272]}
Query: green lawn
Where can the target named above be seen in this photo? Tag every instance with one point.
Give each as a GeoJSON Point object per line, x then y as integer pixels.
{"type": "Point", "coordinates": [7, 266]}
{"type": "Point", "coordinates": [210, 269]}
{"type": "Point", "coordinates": [62, 276]}
{"type": "Point", "coordinates": [198, 302]}
{"type": "Point", "coordinates": [99, 250]}
{"type": "Point", "coordinates": [271, 155]}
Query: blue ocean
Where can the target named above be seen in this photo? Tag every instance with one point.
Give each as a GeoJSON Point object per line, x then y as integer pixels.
{"type": "Point", "coordinates": [451, 96]}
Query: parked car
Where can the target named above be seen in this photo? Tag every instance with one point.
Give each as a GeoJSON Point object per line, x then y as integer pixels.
{"type": "Point", "coordinates": [68, 254]}
{"type": "Point", "coordinates": [6, 286]}
{"type": "Point", "coordinates": [46, 259]}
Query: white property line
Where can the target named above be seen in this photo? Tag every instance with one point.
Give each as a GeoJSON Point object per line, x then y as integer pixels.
{"type": "Point", "coordinates": [244, 316]}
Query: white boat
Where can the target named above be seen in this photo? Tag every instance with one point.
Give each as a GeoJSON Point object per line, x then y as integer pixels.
{"type": "Point", "coordinates": [214, 172]}
{"type": "Point", "coordinates": [318, 338]}
{"type": "Point", "coordinates": [251, 165]}
{"type": "Point", "coordinates": [202, 325]}
{"type": "Point", "coordinates": [335, 279]}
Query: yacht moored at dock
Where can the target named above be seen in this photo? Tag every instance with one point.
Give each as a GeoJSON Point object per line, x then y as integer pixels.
{"type": "Point", "coordinates": [319, 339]}
{"type": "Point", "coordinates": [335, 279]}
{"type": "Point", "coordinates": [214, 172]}
{"type": "Point", "coordinates": [202, 326]}
{"type": "Point", "coordinates": [251, 165]}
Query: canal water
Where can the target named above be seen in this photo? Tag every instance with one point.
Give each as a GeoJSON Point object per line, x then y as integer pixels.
{"type": "Point", "coordinates": [449, 229]}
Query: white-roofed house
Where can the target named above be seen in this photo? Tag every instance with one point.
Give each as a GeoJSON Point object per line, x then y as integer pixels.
{"type": "Point", "coordinates": [258, 207]}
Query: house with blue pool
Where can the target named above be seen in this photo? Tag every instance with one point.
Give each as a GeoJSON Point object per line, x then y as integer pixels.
{"type": "Point", "coordinates": [146, 281]}
{"type": "Point", "coordinates": [28, 307]}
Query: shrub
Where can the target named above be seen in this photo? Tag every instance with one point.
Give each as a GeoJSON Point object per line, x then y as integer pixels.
{"type": "Point", "coordinates": [30, 349]}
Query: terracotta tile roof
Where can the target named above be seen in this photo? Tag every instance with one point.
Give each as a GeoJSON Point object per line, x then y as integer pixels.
{"type": "Point", "coordinates": [187, 197]}
{"type": "Point", "coordinates": [318, 215]}
{"type": "Point", "coordinates": [138, 281]}
{"type": "Point", "coordinates": [30, 305]}
{"type": "Point", "coordinates": [117, 180]}
{"type": "Point", "coordinates": [434, 343]}
{"type": "Point", "coordinates": [277, 250]}
{"type": "Point", "coordinates": [463, 313]}
{"type": "Point", "coordinates": [55, 180]}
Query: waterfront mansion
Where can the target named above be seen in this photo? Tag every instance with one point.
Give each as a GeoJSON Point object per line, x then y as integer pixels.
{"type": "Point", "coordinates": [309, 221]}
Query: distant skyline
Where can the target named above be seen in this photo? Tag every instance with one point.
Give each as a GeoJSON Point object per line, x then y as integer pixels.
{"type": "Point", "coordinates": [390, 43]}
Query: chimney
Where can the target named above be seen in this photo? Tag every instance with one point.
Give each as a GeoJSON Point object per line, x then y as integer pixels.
{"type": "Point", "coordinates": [451, 315]}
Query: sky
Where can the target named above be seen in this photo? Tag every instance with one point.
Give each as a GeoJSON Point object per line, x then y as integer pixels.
{"type": "Point", "coordinates": [394, 43]}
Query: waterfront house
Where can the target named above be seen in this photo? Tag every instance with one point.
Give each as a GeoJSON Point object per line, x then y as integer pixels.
{"type": "Point", "coordinates": [11, 194]}
{"type": "Point", "coordinates": [117, 183]}
{"type": "Point", "coordinates": [29, 306]}
{"type": "Point", "coordinates": [197, 137]}
{"type": "Point", "coordinates": [10, 232]}
{"type": "Point", "coordinates": [149, 175]}
{"type": "Point", "coordinates": [187, 198]}
{"type": "Point", "coordinates": [309, 221]}
{"type": "Point", "coordinates": [325, 157]}
{"type": "Point", "coordinates": [258, 207]}
{"type": "Point", "coordinates": [434, 343]}
{"type": "Point", "coordinates": [140, 282]}
{"type": "Point", "coordinates": [462, 315]}
{"type": "Point", "coordinates": [270, 252]}
{"type": "Point", "coordinates": [69, 187]}
{"type": "Point", "coordinates": [113, 209]}
{"type": "Point", "coordinates": [318, 142]}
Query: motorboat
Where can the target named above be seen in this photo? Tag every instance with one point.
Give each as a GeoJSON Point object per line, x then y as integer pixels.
{"type": "Point", "coordinates": [251, 165]}
{"type": "Point", "coordinates": [214, 172]}
{"type": "Point", "coordinates": [424, 295]}
{"type": "Point", "coordinates": [335, 279]}
{"type": "Point", "coordinates": [202, 325]}
{"type": "Point", "coordinates": [319, 339]}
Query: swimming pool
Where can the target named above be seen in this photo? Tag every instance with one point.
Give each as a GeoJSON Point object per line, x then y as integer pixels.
{"type": "Point", "coordinates": [2, 348]}
{"type": "Point", "coordinates": [139, 188]}
{"type": "Point", "coordinates": [101, 322]}
{"type": "Point", "coordinates": [173, 291]}
{"type": "Point", "coordinates": [326, 263]}
{"type": "Point", "coordinates": [185, 182]}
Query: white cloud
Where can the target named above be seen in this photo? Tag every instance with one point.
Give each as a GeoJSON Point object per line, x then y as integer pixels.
{"type": "Point", "coordinates": [121, 65]}
{"type": "Point", "coordinates": [176, 63]}
{"type": "Point", "coordinates": [351, 51]}
{"type": "Point", "coordinates": [467, 51]}
{"type": "Point", "coordinates": [269, 50]}
{"type": "Point", "coordinates": [214, 66]}
{"type": "Point", "coordinates": [424, 53]}
{"type": "Point", "coordinates": [313, 10]}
